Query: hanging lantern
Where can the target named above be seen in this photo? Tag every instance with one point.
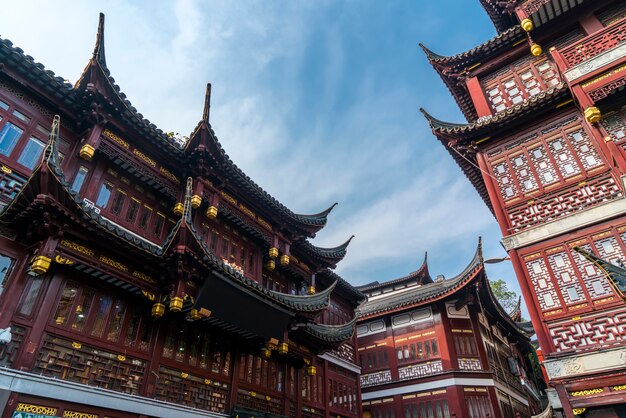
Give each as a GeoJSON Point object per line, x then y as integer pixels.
{"type": "Point", "coordinates": [311, 370]}
{"type": "Point", "coordinates": [270, 265]}
{"type": "Point", "coordinates": [527, 25]}
{"type": "Point", "coordinates": [40, 264]}
{"type": "Point", "coordinates": [158, 309]}
{"type": "Point", "coordinates": [272, 344]}
{"type": "Point", "coordinates": [283, 348]}
{"type": "Point", "coordinates": [266, 353]}
{"type": "Point", "coordinates": [194, 315]}
{"type": "Point", "coordinates": [178, 208]}
{"type": "Point", "coordinates": [311, 290]}
{"type": "Point", "coordinates": [211, 212]}
{"type": "Point", "coordinates": [536, 50]}
{"type": "Point", "coordinates": [176, 304]}
{"type": "Point", "coordinates": [196, 201]}
{"type": "Point", "coordinates": [86, 152]}
{"type": "Point", "coordinates": [284, 260]}
{"type": "Point", "coordinates": [273, 252]}
{"type": "Point", "coordinates": [592, 114]}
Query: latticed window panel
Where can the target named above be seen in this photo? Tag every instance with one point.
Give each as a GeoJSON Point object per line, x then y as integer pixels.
{"type": "Point", "coordinates": [596, 44]}
{"type": "Point", "coordinates": [587, 154]}
{"type": "Point", "coordinates": [595, 281]}
{"type": "Point", "coordinates": [80, 363]}
{"type": "Point", "coordinates": [196, 391]}
{"type": "Point", "coordinates": [8, 352]}
{"type": "Point", "coordinates": [544, 168]}
{"type": "Point", "coordinates": [519, 81]}
{"type": "Point", "coordinates": [525, 177]}
{"type": "Point", "coordinates": [589, 331]}
{"type": "Point", "coordinates": [10, 185]}
{"type": "Point", "coordinates": [543, 284]}
{"type": "Point", "coordinates": [567, 282]}
{"type": "Point", "coordinates": [502, 173]}
{"type": "Point", "coordinates": [564, 157]}
{"type": "Point", "coordinates": [563, 202]}
{"type": "Point", "coordinates": [260, 402]}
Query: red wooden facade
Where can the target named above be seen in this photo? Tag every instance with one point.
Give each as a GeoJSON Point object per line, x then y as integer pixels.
{"type": "Point", "coordinates": [145, 276]}
{"type": "Point", "coordinates": [444, 349]}
{"type": "Point", "coordinates": [544, 147]}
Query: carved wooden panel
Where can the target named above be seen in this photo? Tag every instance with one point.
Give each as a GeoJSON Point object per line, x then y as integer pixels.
{"type": "Point", "coordinates": [196, 391]}
{"type": "Point", "coordinates": [595, 44]}
{"type": "Point", "coordinates": [420, 370]}
{"type": "Point", "coordinates": [9, 351]}
{"type": "Point", "coordinates": [469, 364]}
{"type": "Point", "coordinates": [81, 363]}
{"type": "Point", "coordinates": [589, 330]}
{"type": "Point", "coordinates": [376, 378]}
{"type": "Point", "coordinates": [259, 402]}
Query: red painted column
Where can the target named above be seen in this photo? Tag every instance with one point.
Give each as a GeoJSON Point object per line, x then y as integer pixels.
{"type": "Point", "coordinates": [478, 97]}
{"type": "Point", "coordinates": [590, 24]}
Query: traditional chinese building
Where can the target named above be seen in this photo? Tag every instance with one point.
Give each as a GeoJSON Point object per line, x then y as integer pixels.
{"type": "Point", "coordinates": [544, 145]}
{"type": "Point", "coordinates": [444, 348]}
{"type": "Point", "coordinates": [148, 277]}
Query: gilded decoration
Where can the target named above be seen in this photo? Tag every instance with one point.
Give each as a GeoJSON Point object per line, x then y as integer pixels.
{"type": "Point", "coordinates": [75, 414]}
{"type": "Point", "coordinates": [144, 277]}
{"type": "Point", "coordinates": [145, 158]}
{"type": "Point", "coordinates": [35, 409]}
{"type": "Point", "coordinates": [6, 169]}
{"type": "Point", "coordinates": [77, 247]}
{"type": "Point", "coordinates": [113, 263]}
{"type": "Point", "coordinates": [587, 392]}
{"type": "Point", "coordinates": [40, 264]}
{"type": "Point", "coordinates": [62, 260]}
{"type": "Point", "coordinates": [116, 138]}
{"type": "Point", "coordinates": [169, 175]}
{"type": "Point", "coordinates": [618, 388]}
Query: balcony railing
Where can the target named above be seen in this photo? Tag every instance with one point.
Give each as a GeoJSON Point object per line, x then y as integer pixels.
{"type": "Point", "coordinates": [595, 44]}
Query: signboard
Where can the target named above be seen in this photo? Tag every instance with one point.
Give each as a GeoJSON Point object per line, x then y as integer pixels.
{"type": "Point", "coordinates": [18, 414]}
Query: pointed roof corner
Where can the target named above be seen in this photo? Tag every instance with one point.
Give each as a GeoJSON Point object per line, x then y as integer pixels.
{"type": "Point", "coordinates": [479, 251]}
{"type": "Point", "coordinates": [207, 104]}
{"type": "Point", "coordinates": [317, 219]}
{"type": "Point", "coordinates": [516, 312]}
{"type": "Point", "coordinates": [98, 51]}
{"type": "Point", "coordinates": [432, 56]}
{"type": "Point", "coordinates": [423, 271]}
{"type": "Point", "coordinates": [329, 257]}
{"type": "Point", "coordinates": [438, 124]}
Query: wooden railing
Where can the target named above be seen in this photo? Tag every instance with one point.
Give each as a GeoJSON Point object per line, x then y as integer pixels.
{"type": "Point", "coordinates": [595, 44]}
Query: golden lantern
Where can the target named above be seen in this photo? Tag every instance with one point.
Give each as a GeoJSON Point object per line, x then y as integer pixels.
{"type": "Point", "coordinates": [266, 353]}
{"type": "Point", "coordinates": [211, 212]}
{"type": "Point", "coordinates": [273, 252]}
{"type": "Point", "coordinates": [536, 50]}
{"type": "Point", "coordinates": [283, 348]}
{"type": "Point", "coordinates": [87, 152]}
{"type": "Point", "coordinates": [270, 265]}
{"type": "Point", "coordinates": [311, 370]}
{"type": "Point", "coordinates": [194, 315]}
{"type": "Point", "coordinates": [311, 290]}
{"type": "Point", "coordinates": [196, 201]}
{"type": "Point", "coordinates": [178, 208]}
{"type": "Point", "coordinates": [158, 309]}
{"type": "Point", "coordinates": [527, 24]}
{"type": "Point", "coordinates": [40, 264]}
{"type": "Point", "coordinates": [176, 304]}
{"type": "Point", "coordinates": [284, 260]}
{"type": "Point", "coordinates": [272, 344]}
{"type": "Point", "coordinates": [592, 114]}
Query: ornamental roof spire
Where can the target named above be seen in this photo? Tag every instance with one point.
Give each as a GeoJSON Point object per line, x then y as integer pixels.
{"type": "Point", "coordinates": [98, 51]}
{"type": "Point", "coordinates": [207, 104]}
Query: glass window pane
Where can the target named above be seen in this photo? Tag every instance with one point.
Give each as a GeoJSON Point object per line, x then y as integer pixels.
{"type": "Point", "coordinates": [9, 136]}
{"type": "Point", "coordinates": [158, 224]}
{"type": "Point", "coordinates": [133, 208]}
{"type": "Point", "coordinates": [30, 297]}
{"type": "Point", "coordinates": [118, 202]}
{"type": "Point", "coordinates": [145, 216]}
{"type": "Point", "coordinates": [3, 105]}
{"type": "Point", "coordinates": [31, 153]}
{"type": "Point", "coordinates": [65, 304]}
{"type": "Point", "coordinates": [102, 311]}
{"type": "Point", "coordinates": [104, 194]}
{"type": "Point", "coordinates": [79, 179]}
{"type": "Point", "coordinates": [5, 268]}
{"type": "Point", "coordinates": [21, 116]}
{"type": "Point", "coordinates": [117, 318]}
{"type": "Point", "coordinates": [82, 310]}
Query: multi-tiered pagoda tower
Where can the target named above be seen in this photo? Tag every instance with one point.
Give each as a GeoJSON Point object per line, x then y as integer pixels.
{"type": "Point", "coordinates": [146, 277]}
{"type": "Point", "coordinates": [545, 147]}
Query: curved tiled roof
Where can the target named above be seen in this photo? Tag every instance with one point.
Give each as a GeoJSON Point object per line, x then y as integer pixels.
{"type": "Point", "coordinates": [427, 293]}
{"type": "Point", "coordinates": [501, 16]}
{"type": "Point", "coordinates": [466, 133]}
{"type": "Point", "coordinates": [521, 328]}
{"type": "Point", "coordinates": [452, 69]}
{"type": "Point", "coordinates": [342, 285]}
{"type": "Point", "coordinates": [331, 333]}
{"type": "Point", "coordinates": [329, 257]}
{"type": "Point", "coordinates": [419, 276]}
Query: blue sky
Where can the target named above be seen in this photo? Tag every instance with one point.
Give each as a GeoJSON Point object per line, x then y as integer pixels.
{"type": "Point", "coordinates": [317, 101]}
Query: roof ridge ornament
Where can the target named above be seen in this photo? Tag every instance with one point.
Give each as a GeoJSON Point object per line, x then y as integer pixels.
{"type": "Point", "coordinates": [98, 51]}
{"type": "Point", "coordinates": [207, 104]}
{"type": "Point", "coordinates": [432, 56]}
